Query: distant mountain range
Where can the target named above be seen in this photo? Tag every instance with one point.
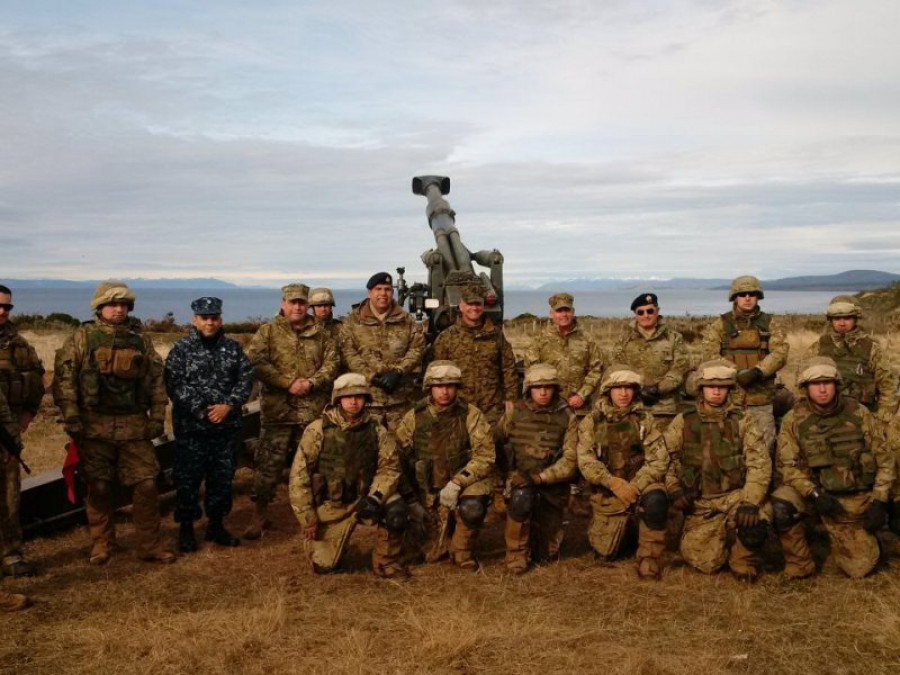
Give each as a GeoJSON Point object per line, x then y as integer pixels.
{"type": "Point", "coordinates": [206, 283]}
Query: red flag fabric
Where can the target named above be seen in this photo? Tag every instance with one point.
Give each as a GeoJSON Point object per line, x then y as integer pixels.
{"type": "Point", "coordinates": [69, 466]}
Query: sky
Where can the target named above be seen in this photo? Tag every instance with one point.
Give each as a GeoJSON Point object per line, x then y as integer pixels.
{"type": "Point", "coordinates": [269, 142]}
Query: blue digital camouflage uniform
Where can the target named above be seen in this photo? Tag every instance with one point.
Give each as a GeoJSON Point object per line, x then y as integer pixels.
{"type": "Point", "coordinates": [200, 373]}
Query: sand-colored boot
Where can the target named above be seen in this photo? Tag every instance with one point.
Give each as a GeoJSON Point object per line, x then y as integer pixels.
{"type": "Point", "coordinates": [145, 514]}
{"type": "Point", "coordinates": [516, 535]}
{"type": "Point", "coordinates": [798, 561]}
{"type": "Point", "coordinates": [13, 602]}
{"type": "Point", "coordinates": [461, 546]}
{"type": "Point", "coordinates": [100, 523]}
{"type": "Point", "coordinates": [259, 523]}
{"type": "Point", "coordinates": [742, 562]}
{"type": "Point", "coordinates": [651, 544]}
{"type": "Point", "coordinates": [386, 556]}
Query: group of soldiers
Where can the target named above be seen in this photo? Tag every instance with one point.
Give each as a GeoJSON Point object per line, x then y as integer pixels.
{"type": "Point", "coordinates": [649, 443]}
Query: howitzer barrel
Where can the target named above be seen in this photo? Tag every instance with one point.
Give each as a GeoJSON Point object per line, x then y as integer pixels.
{"type": "Point", "coordinates": [442, 221]}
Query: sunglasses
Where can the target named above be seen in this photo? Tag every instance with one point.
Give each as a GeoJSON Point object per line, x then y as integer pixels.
{"type": "Point", "coordinates": [648, 312]}
{"type": "Point", "coordinates": [748, 294]}
{"type": "Point", "coordinates": [6, 306]}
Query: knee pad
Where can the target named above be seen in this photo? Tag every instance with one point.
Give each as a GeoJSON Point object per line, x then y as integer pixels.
{"type": "Point", "coordinates": [784, 515]}
{"type": "Point", "coordinates": [396, 516]}
{"type": "Point", "coordinates": [754, 537]}
{"type": "Point", "coordinates": [472, 511]}
{"type": "Point", "coordinates": [521, 504]}
{"type": "Point", "coordinates": [655, 509]}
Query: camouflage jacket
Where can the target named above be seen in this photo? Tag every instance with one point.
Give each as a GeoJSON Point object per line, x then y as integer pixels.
{"type": "Point", "coordinates": [593, 457]}
{"type": "Point", "coordinates": [794, 463]}
{"type": "Point", "coordinates": [370, 346]}
{"type": "Point", "coordinates": [770, 360]}
{"type": "Point", "coordinates": [757, 464]}
{"type": "Point", "coordinates": [10, 423]}
{"type": "Point", "coordinates": [280, 355]}
{"type": "Point", "coordinates": [332, 328]}
{"type": "Point", "coordinates": [661, 359]}
{"type": "Point", "coordinates": [306, 462]}
{"type": "Point", "coordinates": [565, 465]}
{"type": "Point", "coordinates": [21, 372]}
{"type": "Point", "coordinates": [487, 362]}
{"type": "Point", "coordinates": [577, 358]}
{"type": "Point", "coordinates": [78, 377]}
{"type": "Point", "coordinates": [201, 373]}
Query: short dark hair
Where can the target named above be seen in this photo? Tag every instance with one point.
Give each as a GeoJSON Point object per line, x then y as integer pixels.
{"type": "Point", "coordinates": [4, 289]}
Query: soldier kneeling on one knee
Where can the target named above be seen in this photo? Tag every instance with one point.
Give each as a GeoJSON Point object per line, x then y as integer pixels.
{"type": "Point", "coordinates": [345, 473]}
{"type": "Point", "coordinates": [622, 455]}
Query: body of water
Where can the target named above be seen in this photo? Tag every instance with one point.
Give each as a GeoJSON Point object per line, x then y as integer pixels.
{"type": "Point", "coordinates": [248, 303]}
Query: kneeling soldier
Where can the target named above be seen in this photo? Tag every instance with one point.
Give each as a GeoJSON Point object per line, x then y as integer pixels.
{"type": "Point", "coordinates": [622, 454]}
{"type": "Point", "coordinates": [721, 466]}
{"type": "Point", "coordinates": [344, 472]}
{"type": "Point", "coordinates": [448, 450]}
{"type": "Point", "coordinates": [542, 436]}
{"type": "Point", "coordinates": [832, 452]}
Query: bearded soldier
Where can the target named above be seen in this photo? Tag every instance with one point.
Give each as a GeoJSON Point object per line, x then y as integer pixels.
{"type": "Point", "coordinates": [382, 341]}
{"type": "Point", "coordinates": [542, 433]}
{"type": "Point", "coordinates": [448, 455]}
{"type": "Point", "coordinates": [295, 361]}
{"type": "Point", "coordinates": [345, 472]}
{"type": "Point", "coordinates": [321, 300]}
{"type": "Point", "coordinates": [721, 469]}
{"type": "Point", "coordinates": [21, 382]}
{"type": "Point", "coordinates": [109, 389]}
{"type": "Point", "coordinates": [622, 454]}
{"type": "Point", "coordinates": [832, 455]}
{"type": "Point", "coordinates": [749, 338]}
{"type": "Point", "coordinates": [657, 352]}
{"type": "Point", "coordinates": [10, 602]}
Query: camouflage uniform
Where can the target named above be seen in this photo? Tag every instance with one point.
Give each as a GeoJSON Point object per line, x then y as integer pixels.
{"type": "Point", "coordinates": [625, 444]}
{"type": "Point", "coordinates": [21, 382]}
{"type": "Point", "coordinates": [331, 326]}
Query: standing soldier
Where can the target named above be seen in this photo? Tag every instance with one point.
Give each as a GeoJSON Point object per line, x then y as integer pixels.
{"type": "Point", "coordinates": [832, 453]}
{"type": "Point", "coordinates": [622, 453]}
{"type": "Point", "coordinates": [21, 382]}
{"type": "Point", "coordinates": [748, 338]}
{"type": "Point", "coordinates": [658, 354]}
{"type": "Point", "coordinates": [344, 473]}
{"type": "Point", "coordinates": [295, 361]}
{"type": "Point", "coordinates": [383, 342]}
{"type": "Point", "coordinates": [109, 388]}
{"type": "Point", "coordinates": [721, 468]}
{"type": "Point", "coordinates": [9, 443]}
{"type": "Point", "coordinates": [447, 453]}
{"type": "Point", "coordinates": [322, 302]}
{"type": "Point", "coordinates": [208, 378]}
{"type": "Point", "coordinates": [542, 432]}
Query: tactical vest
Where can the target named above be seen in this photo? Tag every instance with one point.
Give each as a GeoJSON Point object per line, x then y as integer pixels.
{"type": "Point", "coordinates": [441, 445]}
{"type": "Point", "coordinates": [835, 447]}
{"type": "Point", "coordinates": [746, 347]}
{"type": "Point", "coordinates": [712, 459]}
{"type": "Point", "coordinates": [20, 381]}
{"type": "Point", "coordinates": [857, 378]}
{"type": "Point", "coordinates": [348, 460]}
{"type": "Point", "coordinates": [112, 375]}
{"type": "Point", "coordinates": [536, 436]}
{"type": "Point", "coordinates": [620, 443]}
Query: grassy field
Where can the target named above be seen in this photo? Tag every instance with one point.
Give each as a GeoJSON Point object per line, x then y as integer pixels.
{"type": "Point", "coordinates": [259, 609]}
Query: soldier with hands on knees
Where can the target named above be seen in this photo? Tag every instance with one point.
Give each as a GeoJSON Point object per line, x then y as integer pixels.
{"type": "Point", "coordinates": [295, 362]}
{"type": "Point", "coordinates": [447, 452]}
{"type": "Point", "coordinates": [622, 454]}
{"type": "Point", "coordinates": [208, 378]}
{"type": "Point", "coordinates": [109, 388]}
{"type": "Point", "coordinates": [833, 456]}
{"type": "Point", "coordinates": [542, 435]}
{"type": "Point", "coordinates": [345, 472]}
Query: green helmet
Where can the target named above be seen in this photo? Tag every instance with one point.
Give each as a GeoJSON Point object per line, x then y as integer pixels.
{"type": "Point", "coordinates": [442, 372]}
{"type": "Point", "coordinates": [745, 284]}
{"type": "Point", "coordinates": [321, 296]}
{"type": "Point", "coordinates": [350, 384]}
{"type": "Point", "coordinates": [843, 305]}
{"type": "Point", "coordinates": [716, 373]}
{"type": "Point", "coordinates": [819, 369]}
{"type": "Point", "coordinates": [540, 374]}
{"type": "Point", "coordinates": [620, 375]}
{"type": "Point", "coordinates": [112, 291]}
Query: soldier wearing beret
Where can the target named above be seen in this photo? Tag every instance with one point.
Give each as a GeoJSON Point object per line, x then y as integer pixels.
{"type": "Point", "coordinates": [208, 378]}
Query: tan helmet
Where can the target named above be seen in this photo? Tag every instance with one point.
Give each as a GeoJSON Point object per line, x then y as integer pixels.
{"type": "Point", "coordinates": [716, 373]}
{"type": "Point", "coordinates": [819, 369]}
{"type": "Point", "coordinates": [442, 372]}
{"type": "Point", "coordinates": [843, 305]}
{"type": "Point", "coordinates": [112, 291]}
{"type": "Point", "coordinates": [350, 384]}
{"type": "Point", "coordinates": [620, 375]}
{"type": "Point", "coordinates": [321, 296]}
{"type": "Point", "coordinates": [745, 284]}
{"type": "Point", "coordinates": [540, 374]}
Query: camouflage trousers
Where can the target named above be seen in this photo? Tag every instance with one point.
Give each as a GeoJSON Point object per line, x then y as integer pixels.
{"type": "Point", "coordinates": [129, 462]}
{"type": "Point", "coordinates": [10, 526]}
{"type": "Point", "coordinates": [336, 523]}
{"type": "Point", "coordinates": [539, 537]}
{"type": "Point", "coordinates": [610, 520]}
{"type": "Point", "coordinates": [202, 458]}
{"type": "Point", "coordinates": [276, 448]}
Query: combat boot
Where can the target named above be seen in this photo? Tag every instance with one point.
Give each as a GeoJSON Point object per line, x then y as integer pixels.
{"type": "Point", "coordinates": [516, 536]}
{"type": "Point", "coordinates": [259, 523]}
{"type": "Point", "coordinates": [98, 509]}
{"type": "Point", "coordinates": [13, 602]}
{"type": "Point", "coordinates": [651, 544]}
{"type": "Point", "coordinates": [461, 547]}
{"type": "Point", "coordinates": [798, 561]}
{"type": "Point", "coordinates": [217, 534]}
{"type": "Point", "coordinates": [187, 542]}
{"type": "Point", "coordinates": [742, 562]}
{"type": "Point", "coordinates": [145, 515]}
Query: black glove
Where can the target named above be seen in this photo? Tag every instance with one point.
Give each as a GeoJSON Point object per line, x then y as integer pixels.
{"type": "Point", "coordinates": [826, 504]}
{"type": "Point", "coordinates": [875, 516]}
{"type": "Point", "coordinates": [369, 512]}
{"type": "Point", "coordinates": [747, 515]}
{"type": "Point", "coordinates": [388, 380]}
{"type": "Point", "coordinates": [681, 502]}
{"type": "Point", "coordinates": [749, 376]}
{"type": "Point", "coordinates": [650, 394]}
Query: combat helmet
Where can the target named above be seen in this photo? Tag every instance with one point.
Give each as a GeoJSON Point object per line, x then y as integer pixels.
{"type": "Point", "coordinates": [442, 372]}
{"type": "Point", "coordinates": [112, 291]}
{"type": "Point", "coordinates": [745, 284]}
{"type": "Point", "coordinates": [843, 305]}
{"type": "Point", "coordinates": [716, 373]}
{"type": "Point", "coordinates": [540, 375]}
{"type": "Point", "coordinates": [620, 375]}
{"type": "Point", "coordinates": [819, 369]}
{"type": "Point", "coordinates": [350, 384]}
{"type": "Point", "coordinates": [321, 296]}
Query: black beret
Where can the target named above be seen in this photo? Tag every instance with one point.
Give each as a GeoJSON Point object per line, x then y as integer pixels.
{"type": "Point", "coordinates": [644, 299]}
{"type": "Point", "coordinates": [380, 278]}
